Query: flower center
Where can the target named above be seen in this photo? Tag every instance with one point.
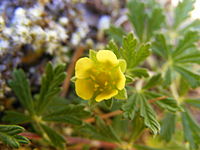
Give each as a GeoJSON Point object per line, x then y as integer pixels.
{"type": "Point", "coordinates": [102, 80]}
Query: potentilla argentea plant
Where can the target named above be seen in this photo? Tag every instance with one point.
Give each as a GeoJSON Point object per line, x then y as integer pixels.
{"type": "Point", "coordinates": [136, 93]}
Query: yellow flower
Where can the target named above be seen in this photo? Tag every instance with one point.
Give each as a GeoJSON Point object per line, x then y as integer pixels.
{"type": "Point", "coordinates": [99, 77]}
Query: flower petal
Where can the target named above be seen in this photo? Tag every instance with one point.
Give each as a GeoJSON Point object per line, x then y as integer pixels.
{"type": "Point", "coordinates": [106, 95]}
{"type": "Point", "coordinates": [119, 79]}
{"type": "Point", "coordinates": [82, 68]}
{"type": "Point", "coordinates": [84, 88]}
{"type": "Point", "coordinates": [107, 56]}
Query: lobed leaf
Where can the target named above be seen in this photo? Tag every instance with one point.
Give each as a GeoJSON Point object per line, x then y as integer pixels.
{"type": "Point", "coordinates": [138, 72]}
{"type": "Point", "coordinates": [193, 102]}
{"type": "Point", "coordinates": [149, 115]}
{"type": "Point", "coordinates": [155, 21]}
{"type": "Point", "coordinates": [138, 103]}
{"type": "Point", "coordinates": [50, 86]}
{"type": "Point", "coordinates": [20, 86]}
{"type": "Point", "coordinates": [192, 78]}
{"type": "Point", "coordinates": [153, 81]}
{"type": "Point", "coordinates": [128, 49]}
{"type": "Point", "coordinates": [101, 131]}
{"type": "Point", "coordinates": [113, 47]}
{"type": "Point", "coordinates": [116, 33]}
{"type": "Point", "coordinates": [188, 42]}
{"type": "Point", "coordinates": [168, 127]}
{"type": "Point", "coordinates": [9, 135]}
{"type": "Point", "coordinates": [160, 46]}
{"type": "Point", "coordinates": [16, 117]}
{"type": "Point", "coordinates": [137, 17]}
{"type": "Point", "coordinates": [67, 114]}
{"type": "Point", "coordinates": [141, 54]}
{"type": "Point", "coordinates": [191, 130]}
{"type": "Point", "coordinates": [122, 94]}
{"type": "Point", "coordinates": [168, 103]}
{"type": "Point", "coordinates": [194, 25]}
{"type": "Point", "coordinates": [55, 138]}
{"type": "Point", "coordinates": [131, 107]}
{"type": "Point", "coordinates": [182, 11]}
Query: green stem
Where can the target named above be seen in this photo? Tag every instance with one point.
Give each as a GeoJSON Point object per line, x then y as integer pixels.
{"type": "Point", "coordinates": [174, 90]}
{"type": "Point", "coordinates": [38, 121]}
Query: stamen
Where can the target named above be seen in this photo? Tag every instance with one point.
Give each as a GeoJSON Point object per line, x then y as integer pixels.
{"type": "Point", "coordinates": [106, 83]}
{"type": "Point", "coordinates": [101, 89]}
{"type": "Point", "coordinates": [96, 85]}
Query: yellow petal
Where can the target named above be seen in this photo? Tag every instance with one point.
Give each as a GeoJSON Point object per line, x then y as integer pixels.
{"type": "Point", "coordinates": [108, 57]}
{"type": "Point", "coordinates": [82, 68]}
{"type": "Point", "coordinates": [106, 95]}
{"type": "Point", "coordinates": [84, 88]}
{"type": "Point", "coordinates": [119, 79]}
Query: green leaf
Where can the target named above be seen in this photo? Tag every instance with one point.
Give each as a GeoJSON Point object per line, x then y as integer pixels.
{"type": "Point", "coordinates": [20, 85]}
{"type": "Point", "coordinates": [160, 46]}
{"type": "Point", "coordinates": [128, 49]}
{"type": "Point", "coordinates": [194, 25]}
{"type": "Point", "coordinates": [168, 103]}
{"type": "Point", "coordinates": [132, 52]}
{"type": "Point", "coordinates": [138, 127]}
{"type": "Point", "coordinates": [190, 57]}
{"type": "Point", "coordinates": [122, 94]}
{"type": "Point", "coordinates": [67, 114]}
{"type": "Point", "coordinates": [138, 72]}
{"type": "Point", "coordinates": [138, 103]}
{"type": "Point", "coordinates": [113, 47]}
{"type": "Point", "coordinates": [137, 16]}
{"type": "Point", "coordinates": [107, 130]}
{"type": "Point", "coordinates": [129, 79]}
{"type": "Point", "coordinates": [101, 131]}
{"type": "Point", "coordinates": [155, 21]}
{"type": "Point", "coordinates": [191, 130]}
{"type": "Point", "coordinates": [168, 76]}
{"type": "Point", "coordinates": [59, 106]}
{"type": "Point", "coordinates": [122, 64]}
{"type": "Point", "coordinates": [55, 138]}
{"type": "Point", "coordinates": [188, 42]}
{"type": "Point", "coordinates": [193, 102]}
{"type": "Point", "coordinates": [153, 81]}
{"type": "Point", "coordinates": [131, 106]}
{"type": "Point", "coordinates": [73, 79]}
{"type": "Point", "coordinates": [50, 86]}
{"type": "Point", "coordinates": [116, 33]}
{"type": "Point", "coordinates": [92, 55]}
{"type": "Point", "coordinates": [147, 112]}
{"type": "Point", "coordinates": [16, 118]}
{"type": "Point", "coordinates": [63, 119]}
{"type": "Point", "coordinates": [9, 135]}
{"type": "Point", "coordinates": [146, 18]}
{"type": "Point", "coordinates": [141, 54]}
{"type": "Point", "coordinates": [109, 103]}
{"type": "Point", "coordinates": [192, 78]}
{"type": "Point", "coordinates": [168, 127]}
{"type": "Point", "coordinates": [182, 11]}
{"type": "Point", "coordinates": [120, 126]}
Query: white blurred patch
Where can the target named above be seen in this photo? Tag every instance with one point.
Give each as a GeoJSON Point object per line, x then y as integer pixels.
{"type": "Point", "coordinates": [104, 23]}
{"type": "Point", "coordinates": [196, 12]}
